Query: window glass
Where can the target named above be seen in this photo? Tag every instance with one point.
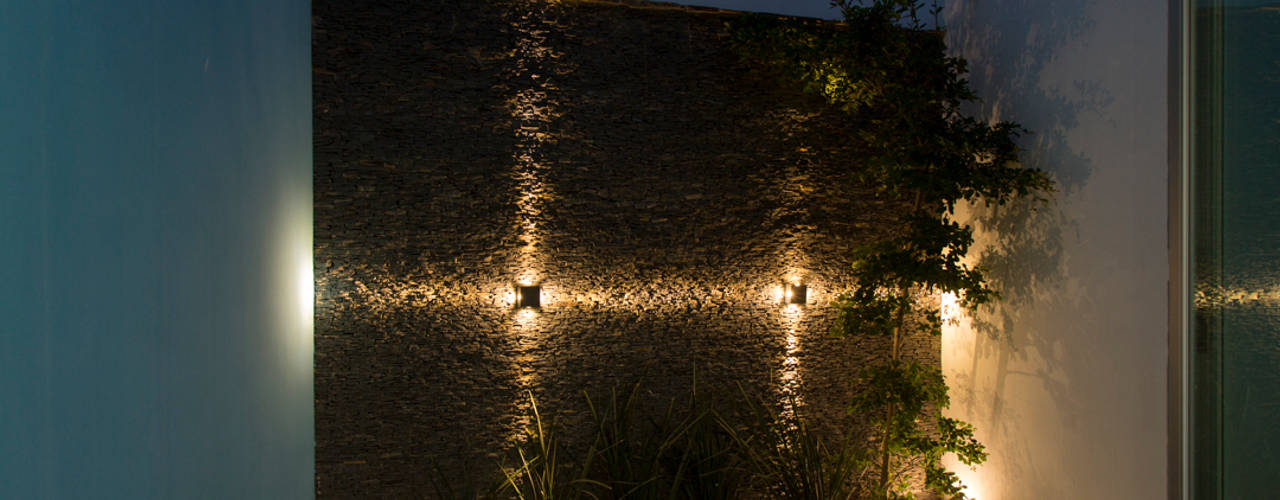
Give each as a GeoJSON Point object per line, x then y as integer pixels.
{"type": "Point", "coordinates": [1235, 348]}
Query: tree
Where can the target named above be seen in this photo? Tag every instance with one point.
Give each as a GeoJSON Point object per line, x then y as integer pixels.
{"type": "Point", "coordinates": [892, 76]}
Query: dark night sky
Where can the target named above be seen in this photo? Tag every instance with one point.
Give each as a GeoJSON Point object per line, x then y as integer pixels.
{"type": "Point", "coordinates": [823, 9]}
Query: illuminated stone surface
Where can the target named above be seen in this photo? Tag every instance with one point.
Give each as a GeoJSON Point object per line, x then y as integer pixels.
{"type": "Point", "coordinates": [619, 156]}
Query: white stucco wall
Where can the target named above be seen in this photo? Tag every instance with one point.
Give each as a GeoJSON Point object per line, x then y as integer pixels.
{"type": "Point", "coordinates": [1066, 382]}
{"type": "Point", "coordinates": [155, 249]}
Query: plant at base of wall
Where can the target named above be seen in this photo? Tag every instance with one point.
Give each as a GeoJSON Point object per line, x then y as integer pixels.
{"type": "Point", "coordinates": [689, 451]}
{"type": "Point", "coordinates": [710, 448]}
{"type": "Point", "coordinates": [892, 77]}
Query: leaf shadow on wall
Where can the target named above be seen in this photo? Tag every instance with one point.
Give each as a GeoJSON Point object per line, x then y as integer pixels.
{"type": "Point", "coordinates": [1022, 243]}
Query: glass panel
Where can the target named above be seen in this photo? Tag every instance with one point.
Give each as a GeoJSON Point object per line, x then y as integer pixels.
{"type": "Point", "coordinates": [1236, 230]}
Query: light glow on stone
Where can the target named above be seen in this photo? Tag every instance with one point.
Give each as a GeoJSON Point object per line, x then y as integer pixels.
{"type": "Point", "coordinates": [532, 109]}
{"type": "Point", "coordinates": [789, 396]}
{"type": "Point", "coordinates": [525, 316]}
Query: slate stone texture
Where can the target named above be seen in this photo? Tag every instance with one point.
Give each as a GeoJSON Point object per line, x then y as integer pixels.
{"type": "Point", "coordinates": [616, 154]}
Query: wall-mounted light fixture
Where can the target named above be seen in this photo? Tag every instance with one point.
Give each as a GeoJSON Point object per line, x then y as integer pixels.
{"type": "Point", "coordinates": [795, 293]}
{"type": "Point", "coordinates": [528, 296]}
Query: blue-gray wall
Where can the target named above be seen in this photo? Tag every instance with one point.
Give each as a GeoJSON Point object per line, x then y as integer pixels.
{"type": "Point", "coordinates": [155, 249]}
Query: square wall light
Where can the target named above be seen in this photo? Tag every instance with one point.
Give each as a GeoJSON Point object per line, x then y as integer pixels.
{"type": "Point", "coordinates": [795, 294]}
{"type": "Point", "coordinates": [529, 296]}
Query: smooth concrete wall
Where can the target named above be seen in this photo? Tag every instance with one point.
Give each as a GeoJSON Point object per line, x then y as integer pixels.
{"type": "Point", "coordinates": [1066, 381]}
{"type": "Point", "coordinates": [155, 249]}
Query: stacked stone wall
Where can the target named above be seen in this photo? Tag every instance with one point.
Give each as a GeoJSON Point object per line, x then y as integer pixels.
{"type": "Point", "coordinates": [619, 156]}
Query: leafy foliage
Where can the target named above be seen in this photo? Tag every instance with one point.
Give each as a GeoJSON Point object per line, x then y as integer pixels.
{"type": "Point", "coordinates": [692, 451]}
{"type": "Point", "coordinates": [892, 76]}
{"type": "Point", "coordinates": [540, 474]}
{"type": "Point", "coordinates": [788, 459]}
{"type": "Point", "coordinates": [687, 452]}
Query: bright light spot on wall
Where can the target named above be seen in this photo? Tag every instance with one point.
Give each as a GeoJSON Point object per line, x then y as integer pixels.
{"type": "Point", "coordinates": [949, 308]}
{"type": "Point", "coordinates": [306, 284]}
{"type": "Point", "coordinates": [789, 375]}
{"type": "Point", "coordinates": [525, 316]}
{"type": "Point", "coordinates": [791, 315]}
{"type": "Point", "coordinates": [973, 484]}
{"type": "Point", "coordinates": [292, 281]}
